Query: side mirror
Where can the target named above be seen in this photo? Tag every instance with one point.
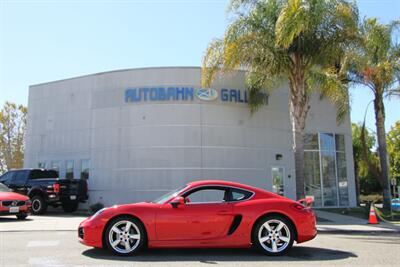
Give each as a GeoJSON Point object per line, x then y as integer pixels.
{"type": "Point", "coordinates": [177, 201]}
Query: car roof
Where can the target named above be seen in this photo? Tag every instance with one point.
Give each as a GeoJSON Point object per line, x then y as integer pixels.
{"type": "Point", "coordinates": [224, 183]}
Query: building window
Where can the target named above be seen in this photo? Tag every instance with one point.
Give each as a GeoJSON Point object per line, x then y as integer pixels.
{"type": "Point", "coordinates": [325, 169]}
{"type": "Point", "coordinates": [312, 176]}
{"type": "Point", "coordinates": [85, 169]}
{"type": "Point", "coordinates": [69, 169]}
{"type": "Point", "coordinates": [277, 180]}
{"type": "Point", "coordinates": [55, 165]}
{"type": "Point", "coordinates": [42, 165]}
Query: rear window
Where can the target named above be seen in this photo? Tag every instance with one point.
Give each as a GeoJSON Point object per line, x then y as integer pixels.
{"type": "Point", "coordinates": [240, 194]}
{"type": "Point", "coordinates": [41, 174]}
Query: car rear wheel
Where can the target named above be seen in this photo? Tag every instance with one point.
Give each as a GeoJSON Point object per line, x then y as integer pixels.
{"type": "Point", "coordinates": [22, 216]}
{"type": "Point", "coordinates": [39, 206]}
{"type": "Point", "coordinates": [273, 235]}
{"type": "Point", "coordinates": [125, 236]}
{"type": "Point", "coordinates": [70, 207]}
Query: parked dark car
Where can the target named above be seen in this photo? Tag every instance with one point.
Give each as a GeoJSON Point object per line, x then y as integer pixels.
{"type": "Point", "coordinates": [44, 187]}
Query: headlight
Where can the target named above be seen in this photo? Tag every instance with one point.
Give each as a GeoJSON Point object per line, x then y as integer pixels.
{"type": "Point", "coordinates": [98, 213]}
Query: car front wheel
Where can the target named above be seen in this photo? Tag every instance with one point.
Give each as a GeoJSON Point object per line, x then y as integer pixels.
{"type": "Point", "coordinates": [273, 235]}
{"type": "Point", "coordinates": [39, 206]}
{"type": "Point", "coordinates": [124, 236]}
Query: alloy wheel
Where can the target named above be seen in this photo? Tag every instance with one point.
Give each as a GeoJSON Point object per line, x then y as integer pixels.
{"type": "Point", "coordinates": [124, 236]}
{"type": "Point", "coordinates": [274, 236]}
{"type": "Point", "coordinates": [36, 205]}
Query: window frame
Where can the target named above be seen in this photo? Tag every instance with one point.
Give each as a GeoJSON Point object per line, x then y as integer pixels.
{"type": "Point", "coordinates": [335, 151]}
{"type": "Point", "coordinates": [227, 189]}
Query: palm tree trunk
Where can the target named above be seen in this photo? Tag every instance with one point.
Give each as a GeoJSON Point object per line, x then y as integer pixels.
{"type": "Point", "coordinates": [299, 107]}
{"type": "Point", "coordinates": [298, 148]}
{"type": "Point", "coordinates": [382, 150]}
{"type": "Point", "coordinates": [357, 180]}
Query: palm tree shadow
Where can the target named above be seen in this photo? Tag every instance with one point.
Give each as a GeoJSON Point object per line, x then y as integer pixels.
{"type": "Point", "coordinates": [212, 256]}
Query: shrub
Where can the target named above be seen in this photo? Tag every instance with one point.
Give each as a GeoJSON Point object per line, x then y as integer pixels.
{"type": "Point", "coordinates": [96, 207]}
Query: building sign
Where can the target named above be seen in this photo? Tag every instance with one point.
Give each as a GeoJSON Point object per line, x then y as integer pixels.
{"type": "Point", "coordinates": [207, 94]}
{"type": "Point", "coordinates": [177, 93]}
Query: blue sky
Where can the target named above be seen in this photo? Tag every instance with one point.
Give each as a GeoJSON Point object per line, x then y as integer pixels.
{"type": "Point", "coordinates": [45, 40]}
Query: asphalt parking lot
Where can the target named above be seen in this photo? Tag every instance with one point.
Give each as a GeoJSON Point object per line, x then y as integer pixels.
{"type": "Point", "coordinates": [27, 246]}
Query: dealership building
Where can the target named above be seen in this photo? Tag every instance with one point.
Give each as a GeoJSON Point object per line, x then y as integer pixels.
{"type": "Point", "coordinates": [135, 134]}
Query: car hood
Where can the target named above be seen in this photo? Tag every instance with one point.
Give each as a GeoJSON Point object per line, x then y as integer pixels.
{"type": "Point", "coordinates": [136, 205]}
{"type": "Point", "coordinates": [12, 196]}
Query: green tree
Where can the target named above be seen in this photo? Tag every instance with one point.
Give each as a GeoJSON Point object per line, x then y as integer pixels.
{"type": "Point", "coordinates": [393, 142]}
{"type": "Point", "coordinates": [12, 133]}
{"type": "Point", "coordinates": [366, 163]}
{"type": "Point", "coordinates": [299, 41]}
{"type": "Point", "coordinates": [374, 62]}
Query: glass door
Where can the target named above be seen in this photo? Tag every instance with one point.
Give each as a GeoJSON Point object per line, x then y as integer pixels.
{"type": "Point", "coordinates": [278, 174]}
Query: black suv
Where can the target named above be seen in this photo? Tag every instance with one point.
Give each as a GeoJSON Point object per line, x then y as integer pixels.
{"type": "Point", "coordinates": [44, 188]}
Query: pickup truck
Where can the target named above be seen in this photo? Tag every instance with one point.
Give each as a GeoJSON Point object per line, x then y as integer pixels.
{"type": "Point", "coordinates": [44, 188]}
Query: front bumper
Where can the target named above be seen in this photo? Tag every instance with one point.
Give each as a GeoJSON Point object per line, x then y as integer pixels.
{"type": "Point", "coordinates": [23, 210]}
{"type": "Point", "coordinates": [90, 233]}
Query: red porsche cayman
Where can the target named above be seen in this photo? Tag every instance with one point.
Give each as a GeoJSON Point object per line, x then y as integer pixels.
{"type": "Point", "coordinates": [202, 214]}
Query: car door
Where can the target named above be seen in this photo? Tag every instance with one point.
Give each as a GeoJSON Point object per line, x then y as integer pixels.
{"type": "Point", "coordinates": [206, 215]}
{"type": "Point", "coordinates": [18, 182]}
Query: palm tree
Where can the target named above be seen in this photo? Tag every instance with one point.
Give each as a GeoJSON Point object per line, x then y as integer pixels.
{"type": "Point", "coordinates": [299, 41]}
{"type": "Point", "coordinates": [375, 63]}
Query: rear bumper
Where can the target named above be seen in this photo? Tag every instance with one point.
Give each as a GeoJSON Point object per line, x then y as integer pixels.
{"type": "Point", "coordinates": [307, 228]}
{"type": "Point", "coordinates": [59, 199]}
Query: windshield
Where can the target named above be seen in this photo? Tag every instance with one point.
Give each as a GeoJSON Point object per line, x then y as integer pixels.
{"type": "Point", "coordinates": [4, 188]}
{"type": "Point", "coordinates": [168, 195]}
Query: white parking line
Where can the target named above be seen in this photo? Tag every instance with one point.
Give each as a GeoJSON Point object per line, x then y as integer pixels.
{"type": "Point", "coordinates": [32, 244]}
{"type": "Point", "coordinates": [44, 261]}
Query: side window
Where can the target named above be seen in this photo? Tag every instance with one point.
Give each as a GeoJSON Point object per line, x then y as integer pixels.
{"type": "Point", "coordinates": [6, 178]}
{"type": "Point", "coordinates": [20, 177]}
{"type": "Point", "coordinates": [207, 195]}
{"type": "Point", "coordinates": [239, 194]}
{"type": "Point", "coordinates": [43, 174]}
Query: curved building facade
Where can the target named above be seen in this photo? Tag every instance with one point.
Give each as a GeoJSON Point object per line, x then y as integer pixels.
{"type": "Point", "coordinates": [137, 133]}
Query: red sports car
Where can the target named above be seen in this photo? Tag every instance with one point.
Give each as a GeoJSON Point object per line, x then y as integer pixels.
{"type": "Point", "coordinates": [202, 214]}
{"type": "Point", "coordinates": [13, 204]}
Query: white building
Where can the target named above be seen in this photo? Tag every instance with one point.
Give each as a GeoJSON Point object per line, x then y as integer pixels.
{"type": "Point", "coordinates": [138, 133]}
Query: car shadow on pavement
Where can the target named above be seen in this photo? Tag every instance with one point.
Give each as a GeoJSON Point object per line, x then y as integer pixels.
{"type": "Point", "coordinates": [212, 256]}
{"type": "Point", "coordinates": [13, 219]}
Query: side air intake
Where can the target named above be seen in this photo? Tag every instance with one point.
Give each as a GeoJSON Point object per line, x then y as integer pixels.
{"type": "Point", "coordinates": [235, 224]}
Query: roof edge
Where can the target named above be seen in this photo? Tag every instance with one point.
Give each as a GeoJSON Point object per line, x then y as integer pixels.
{"type": "Point", "coordinates": [119, 70]}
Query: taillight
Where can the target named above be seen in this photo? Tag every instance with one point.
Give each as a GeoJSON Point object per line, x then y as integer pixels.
{"type": "Point", "coordinates": [56, 188]}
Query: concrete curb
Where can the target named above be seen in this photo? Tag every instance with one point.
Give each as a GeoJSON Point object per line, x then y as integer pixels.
{"type": "Point", "coordinates": [365, 232]}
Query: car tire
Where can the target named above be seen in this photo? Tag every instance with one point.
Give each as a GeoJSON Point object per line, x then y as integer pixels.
{"type": "Point", "coordinates": [39, 206]}
{"type": "Point", "coordinates": [70, 207]}
{"type": "Point", "coordinates": [129, 242]}
{"type": "Point", "coordinates": [22, 216]}
{"type": "Point", "coordinates": [273, 235]}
